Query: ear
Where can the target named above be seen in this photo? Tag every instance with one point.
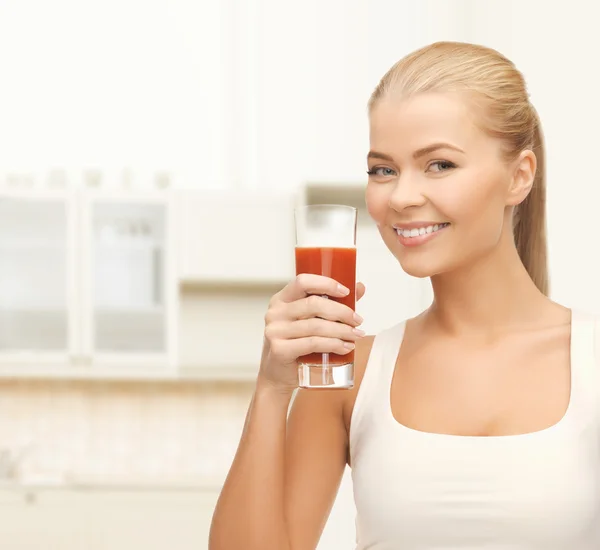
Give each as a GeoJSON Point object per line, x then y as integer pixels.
{"type": "Point", "coordinates": [522, 179]}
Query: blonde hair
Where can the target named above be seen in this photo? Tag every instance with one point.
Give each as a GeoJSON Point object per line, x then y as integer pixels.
{"type": "Point", "coordinates": [493, 83]}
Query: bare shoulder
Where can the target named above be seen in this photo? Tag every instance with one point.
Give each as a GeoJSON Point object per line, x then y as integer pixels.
{"type": "Point", "coordinates": [336, 404]}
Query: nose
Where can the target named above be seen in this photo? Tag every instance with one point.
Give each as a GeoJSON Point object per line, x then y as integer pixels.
{"type": "Point", "coordinates": [405, 194]}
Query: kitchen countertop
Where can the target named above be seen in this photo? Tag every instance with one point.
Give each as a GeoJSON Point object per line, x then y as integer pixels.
{"type": "Point", "coordinates": [112, 483]}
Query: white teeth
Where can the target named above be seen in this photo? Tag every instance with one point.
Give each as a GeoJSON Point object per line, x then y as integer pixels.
{"type": "Point", "coordinates": [421, 230]}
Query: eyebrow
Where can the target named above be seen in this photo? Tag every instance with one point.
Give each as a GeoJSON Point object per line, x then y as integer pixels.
{"type": "Point", "coordinates": [417, 154]}
{"type": "Point", "coordinates": [434, 147]}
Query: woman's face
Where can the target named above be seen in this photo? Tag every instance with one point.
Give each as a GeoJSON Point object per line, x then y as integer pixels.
{"type": "Point", "coordinates": [438, 185]}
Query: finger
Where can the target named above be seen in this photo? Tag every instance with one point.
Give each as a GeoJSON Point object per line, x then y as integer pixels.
{"type": "Point", "coordinates": [319, 344]}
{"type": "Point", "coordinates": [360, 291]}
{"type": "Point", "coordinates": [318, 306]}
{"type": "Point", "coordinates": [314, 327]}
{"type": "Point", "coordinates": [307, 283]}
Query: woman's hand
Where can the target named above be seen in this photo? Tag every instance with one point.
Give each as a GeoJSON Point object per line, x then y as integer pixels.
{"type": "Point", "coordinates": [302, 320]}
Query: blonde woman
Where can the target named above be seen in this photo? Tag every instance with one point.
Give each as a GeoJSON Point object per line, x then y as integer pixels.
{"type": "Point", "coordinates": [475, 424]}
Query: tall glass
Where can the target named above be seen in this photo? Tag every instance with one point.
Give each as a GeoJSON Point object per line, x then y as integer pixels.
{"type": "Point", "coordinates": [326, 245]}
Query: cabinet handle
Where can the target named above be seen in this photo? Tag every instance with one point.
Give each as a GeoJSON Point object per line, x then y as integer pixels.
{"type": "Point", "coordinates": [30, 498]}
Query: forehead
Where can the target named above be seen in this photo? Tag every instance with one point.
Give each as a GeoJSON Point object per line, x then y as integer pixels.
{"type": "Point", "coordinates": [423, 119]}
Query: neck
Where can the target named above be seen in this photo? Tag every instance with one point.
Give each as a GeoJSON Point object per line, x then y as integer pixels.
{"type": "Point", "coordinates": [490, 295]}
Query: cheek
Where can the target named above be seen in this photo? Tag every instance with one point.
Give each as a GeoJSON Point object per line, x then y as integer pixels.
{"type": "Point", "coordinates": [477, 200]}
{"type": "Point", "coordinates": [377, 200]}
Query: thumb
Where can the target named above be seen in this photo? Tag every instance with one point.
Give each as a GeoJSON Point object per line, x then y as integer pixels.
{"type": "Point", "coordinates": [360, 291]}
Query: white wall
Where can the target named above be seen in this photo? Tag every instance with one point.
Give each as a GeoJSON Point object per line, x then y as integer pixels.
{"type": "Point", "coordinates": [110, 84]}
{"type": "Point", "coordinates": [556, 44]}
{"type": "Point", "coordinates": [256, 93]}
{"type": "Point", "coordinates": [317, 67]}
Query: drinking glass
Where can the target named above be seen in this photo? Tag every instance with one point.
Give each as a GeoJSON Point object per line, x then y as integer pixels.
{"type": "Point", "coordinates": [326, 245]}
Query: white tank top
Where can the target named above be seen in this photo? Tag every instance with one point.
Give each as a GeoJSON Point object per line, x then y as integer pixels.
{"type": "Point", "coordinates": [415, 490]}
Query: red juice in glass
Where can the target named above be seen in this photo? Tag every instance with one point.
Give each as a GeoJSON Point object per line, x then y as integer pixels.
{"type": "Point", "coordinates": [339, 264]}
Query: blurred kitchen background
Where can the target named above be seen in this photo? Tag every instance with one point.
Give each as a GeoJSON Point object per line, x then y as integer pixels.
{"type": "Point", "coordinates": [151, 155]}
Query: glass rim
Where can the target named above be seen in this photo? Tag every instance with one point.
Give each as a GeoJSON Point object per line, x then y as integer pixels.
{"type": "Point", "coordinates": [326, 206]}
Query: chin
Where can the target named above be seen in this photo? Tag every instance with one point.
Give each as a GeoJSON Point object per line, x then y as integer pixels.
{"type": "Point", "coordinates": [421, 268]}
{"type": "Point", "coordinates": [420, 273]}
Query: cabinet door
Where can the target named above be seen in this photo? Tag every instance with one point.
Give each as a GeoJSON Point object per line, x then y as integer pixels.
{"type": "Point", "coordinates": [240, 238]}
{"type": "Point", "coordinates": [129, 288]}
{"type": "Point", "coordinates": [152, 520]}
{"type": "Point", "coordinates": [37, 278]}
{"type": "Point", "coordinates": [48, 519]}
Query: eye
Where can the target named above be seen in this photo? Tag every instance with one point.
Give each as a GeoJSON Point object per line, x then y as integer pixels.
{"type": "Point", "coordinates": [440, 166]}
{"type": "Point", "coordinates": [381, 172]}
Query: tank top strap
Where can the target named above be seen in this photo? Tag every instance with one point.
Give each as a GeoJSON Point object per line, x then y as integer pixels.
{"type": "Point", "coordinates": [374, 390]}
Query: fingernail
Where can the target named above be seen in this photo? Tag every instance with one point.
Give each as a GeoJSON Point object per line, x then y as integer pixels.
{"type": "Point", "coordinates": [349, 345]}
{"type": "Point", "coordinates": [358, 318]}
{"type": "Point", "coordinates": [343, 290]}
{"type": "Point", "coordinates": [358, 332]}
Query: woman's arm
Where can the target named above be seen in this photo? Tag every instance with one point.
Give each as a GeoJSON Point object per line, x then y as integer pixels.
{"type": "Point", "coordinates": [285, 474]}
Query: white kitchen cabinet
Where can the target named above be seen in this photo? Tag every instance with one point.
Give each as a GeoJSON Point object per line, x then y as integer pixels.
{"type": "Point", "coordinates": [37, 269]}
{"type": "Point", "coordinates": [50, 519]}
{"type": "Point", "coordinates": [237, 250]}
{"type": "Point", "coordinates": [152, 520]}
{"type": "Point", "coordinates": [221, 331]}
{"type": "Point", "coordinates": [87, 282]}
{"type": "Point", "coordinates": [106, 518]}
{"type": "Point", "coordinates": [166, 284]}
{"type": "Point", "coordinates": [236, 238]}
{"type": "Point", "coordinates": [128, 280]}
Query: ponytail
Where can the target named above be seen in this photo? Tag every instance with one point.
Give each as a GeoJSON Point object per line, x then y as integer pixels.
{"type": "Point", "coordinates": [530, 222]}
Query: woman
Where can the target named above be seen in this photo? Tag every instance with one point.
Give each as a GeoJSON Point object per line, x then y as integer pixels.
{"type": "Point", "coordinates": [472, 425]}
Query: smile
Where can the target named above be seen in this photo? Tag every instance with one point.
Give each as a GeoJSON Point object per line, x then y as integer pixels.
{"type": "Point", "coordinates": [419, 235]}
{"type": "Point", "coordinates": [418, 231]}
